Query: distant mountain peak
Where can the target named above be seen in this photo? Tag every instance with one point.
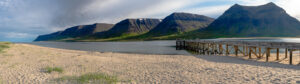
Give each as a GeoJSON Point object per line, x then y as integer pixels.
{"type": "Point", "coordinates": [236, 4]}
{"type": "Point", "coordinates": [264, 20]}
{"type": "Point", "coordinates": [271, 4]}
{"type": "Point", "coordinates": [180, 22]}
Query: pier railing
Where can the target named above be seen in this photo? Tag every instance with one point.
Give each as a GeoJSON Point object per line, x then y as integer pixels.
{"type": "Point", "coordinates": [259, 49]}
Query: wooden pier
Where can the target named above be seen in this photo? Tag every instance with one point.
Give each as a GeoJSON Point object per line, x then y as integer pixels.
{"type": "Point", "coordinates": [251, 49]}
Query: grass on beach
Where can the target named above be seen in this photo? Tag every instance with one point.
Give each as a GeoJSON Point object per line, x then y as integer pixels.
{"type": "Point", "coordinates": [91, 78]}
{"type": "Point", "coordinates": [4, 45]}
{"type": "Point", "coordinates": [53, 69]}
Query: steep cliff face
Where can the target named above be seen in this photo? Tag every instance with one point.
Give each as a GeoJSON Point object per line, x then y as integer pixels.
{"type": "Point", "coordinates": [130, 26]}
{"type": "Point", "coordinates": [75, 32]}
{"type": "Point", "coordinates": [264, 20]}
{"type": "Point", "coordinates": [48, 37]}
{"type": "Point", "coordinates": [181, 22]}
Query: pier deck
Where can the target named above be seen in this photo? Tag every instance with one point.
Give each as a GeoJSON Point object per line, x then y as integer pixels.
{"type": "Point", "coordinates": [259, 49]}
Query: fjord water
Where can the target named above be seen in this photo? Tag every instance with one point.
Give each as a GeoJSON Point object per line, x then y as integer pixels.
{"type": "Point", "coordinates": [270, 39]}
{"type": "Point", "coordinates": [142, 47]}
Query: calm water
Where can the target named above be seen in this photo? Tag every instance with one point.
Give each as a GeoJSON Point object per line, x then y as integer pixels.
{"type": "Point", "coordinates": [145, 47]}
{"type": "Point", "coordinates": [293, 40]}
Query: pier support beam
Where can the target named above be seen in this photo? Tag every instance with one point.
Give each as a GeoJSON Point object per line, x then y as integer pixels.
{"type": "Point", "coordinates": [291, 57]}
{"type": "Point", "coordinates": [259, 52]}
{"type": "Point", "coordinates": [236, 48]}
{"type": "Point", "coordinates": [227, 50]}
{"type": "Point", "coordinates": [220, 49]}
{"type": "Point", "coordinates": [250, 52]}
{"type": "Point", "coordinates": [267, 54]}
{"type": "Point", "coordinates": [247, 51]}
{"type": "Point", "coordinates": [277, 54]}
{"type": "Point", "coordinates": [286, 53]}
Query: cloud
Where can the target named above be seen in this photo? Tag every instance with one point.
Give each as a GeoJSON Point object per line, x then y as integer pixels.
{"type": "Point", "coordinates": [33, 17]}
{"type": "Point", "coordinates": [291, 6]}
{"type": "Point", "coordinates": [212, 11]}
{"type": "Point", "coordinates": [17, 35]}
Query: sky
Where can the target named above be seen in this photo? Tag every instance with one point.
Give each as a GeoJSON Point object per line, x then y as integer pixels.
{"type": "Point", "coordinates": [24, 20]}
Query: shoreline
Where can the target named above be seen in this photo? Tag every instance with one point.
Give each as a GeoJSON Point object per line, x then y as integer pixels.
{"type": "Point", "coordinates": [22, 63]}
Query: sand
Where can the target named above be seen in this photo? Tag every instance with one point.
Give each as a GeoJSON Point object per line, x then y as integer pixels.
{"type": "Point", "coordinates": [24, 63]}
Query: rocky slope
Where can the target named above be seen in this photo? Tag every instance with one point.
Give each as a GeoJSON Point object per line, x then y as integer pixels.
{"type": "Point", "coordinates": [181, 22]}
{"type": "Point", "coordinates": [130, 26]}
{"type": "Point", "coordinates": [75, 32]}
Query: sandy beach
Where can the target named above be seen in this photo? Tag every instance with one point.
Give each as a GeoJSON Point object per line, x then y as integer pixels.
{"type": "Point", "coordinates": [24, 64]}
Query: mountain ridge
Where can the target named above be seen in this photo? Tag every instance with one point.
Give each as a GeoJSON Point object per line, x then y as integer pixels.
{"type": "Point", "coordinates": [130, 26]}
{"type": "Point", "coordinates": [268, 20]}
{"type": "Point", "coordinates": [264, 20]}
{"type": "Point", "coordinates": [181, 22]}
{"type": "Point", "coordinates": [76, 31]}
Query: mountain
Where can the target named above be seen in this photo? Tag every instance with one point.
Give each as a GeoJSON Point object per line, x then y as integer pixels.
{"type": "Point", "coordinates": [130, 27]}
{"type": "Point", "coordinates": [181, 22]}
{"type": "Point", "coordinates": [75, 32]}
{"type": "Point", "coordinates": [255, 21]}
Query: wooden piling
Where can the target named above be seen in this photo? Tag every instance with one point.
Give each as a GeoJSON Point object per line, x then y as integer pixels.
{"type": "Point", "coordinates": [227, 50]}
{"type": "Point", "coordinates": [277, 54]}
{"type": "Point", "coordinates": [286, 53]}
{"type": "Point", "coordinates": [236, 48]}
{"type": "Point", "coordinates": [220, 49]}
{"type": "Point", "coordinates": [291, 57]}
{"type": "Point", "coordinates": [247, 51]}
{"type": "Point", "coordinates": [267, 54]}
{"type": "Point", "coordinates": [259, 52]}
{"type": "Point", "coordinates": [250, 53]}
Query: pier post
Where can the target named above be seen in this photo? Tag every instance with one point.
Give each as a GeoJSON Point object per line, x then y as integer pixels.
{"type": "Point", "coordinates": [184, 46]}
{"type": "Point", "coordinates": [227, 50]}
{"type": "Point", "coordinates": [220, 49]}
{"type": "Point", "coordinates": [236, 50]}
{"type": "Point", "coordinates": [247, 51]}
{"type": "Point", "coordinates": [277, 54]}
{"type": "Point", "coordinates": [244, 49]}
{"type": "Point", "coordinates": [291, 57]}
{"type": "Point", "coordinates": [286, 53]}
{"type": "Point", "coordinates": [259, 52]}
{"type": "Point", "coordinates": [250, 52]}
{"type": "Point", "coordinates": [203, 48]}
{"type": "Point", "coordinates": [267, 54]}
